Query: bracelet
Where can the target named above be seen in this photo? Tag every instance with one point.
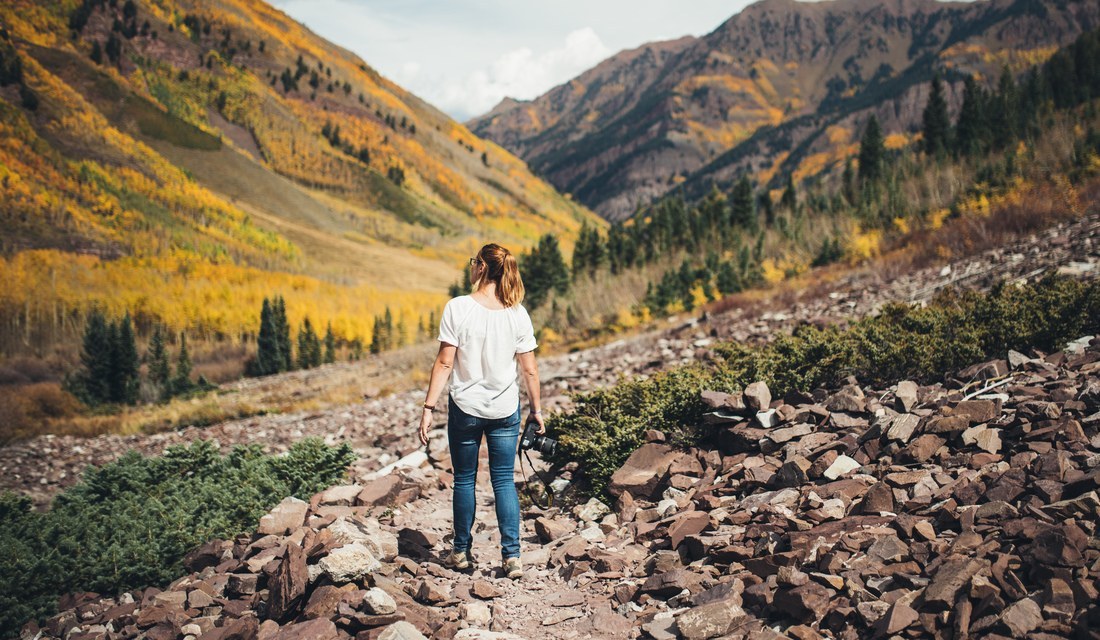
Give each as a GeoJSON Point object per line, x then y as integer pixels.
{"type": "Point", "coordinates": [429, 407]}
{"type": "Point", "coordinates": [537, 413]}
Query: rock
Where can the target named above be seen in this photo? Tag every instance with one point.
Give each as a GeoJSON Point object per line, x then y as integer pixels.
{"type": "Point", "coordinates": [431, 594]}
{"type": "Point", "coordinates": [922, 448]}
{"type": "Point", "coordinates": [1022, 617]}
{"type": "Point", "coordinates": [591, 511]}
{"type": "Point", "coordinates": [949, 578]}
{"type": "Point", "coordinates": [879, 498]}
{"type": "Point", "coordinates": [899, 617]}
{"type": "Point", "coordinates": [401, 631]}
{"type": "Point", "coordinates": [767, 419]}
{"type": "Point", "coordinates": [549, 529]}
{"type": "Point", "coordinates": [342, 495]}
{"type": "Point", "coordinates": [476, 613]}
{"type": "Point", "coordinates": [804, 603]}
{"type": "Point", "coordinates": [902, 428]}
{"type": "Point", "coordinates": [414, 460]}
{"type": "Point", "coordinates": [482, 634]}
{"type": "Point", "coordinates": [382, 543]}
{"type": "Point", "coordinates": [710, 620]}
{"type": "Point", "coordinates": [484, 590]}
{"type": "Point", "coordinates": [906, 395]}
{"type": "Point", "coordinates": [688, 524]}
{"type": "Point", "coordinates": [378, 602]}
{"type": "Point", "coordinates": [382, 491]}
{"type": "Point", "coordinates": [284, 518]}
{"type": "Point", "coordinates": [841, 467]}
{"type": "Point", "coordinates": [288, 584]}
{"type": "Point", "coordinates": [978, 411]}
{"type": "Point", "coordinates": [319, 629]}
{"type": "Point", "coordinates": [665, 585]}
{"type": "Point", "coordinates": [643, 470]}
{"type": "Point", "coordinates": [350, 562]}
{"type": "Point", "coordinates": [757, 397]}
{"type": "Point", "coordinates": [849, 399]}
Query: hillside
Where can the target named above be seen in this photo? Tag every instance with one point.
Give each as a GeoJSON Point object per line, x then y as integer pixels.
{"type": "Point", "coordinates": [782, 87]}
{"type": "Point", "coordinates": [181, 160]}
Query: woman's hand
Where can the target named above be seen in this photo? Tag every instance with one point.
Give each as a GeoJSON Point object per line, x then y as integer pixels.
{"type": "Point", "coordinates": [536, 417]}
{"type": "Point", "coordinates": [425, 426]}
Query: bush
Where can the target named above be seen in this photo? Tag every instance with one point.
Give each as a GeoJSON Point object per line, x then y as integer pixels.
{"type": "Point", "coordinates": [26, 409]}
{"type": "Point", "coordinates": [129, 523]}
{"type": "Point", "coordinates": [903, 342]}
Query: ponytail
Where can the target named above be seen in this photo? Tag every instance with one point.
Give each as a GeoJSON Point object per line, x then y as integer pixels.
{"type": "Point", "coordinates": [502, 268]}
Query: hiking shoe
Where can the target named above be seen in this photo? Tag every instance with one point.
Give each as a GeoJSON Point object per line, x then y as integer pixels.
{"type": "Point", "coordinates": [458, 560]}
{"type": "Point", "coordinates": [513, 569]}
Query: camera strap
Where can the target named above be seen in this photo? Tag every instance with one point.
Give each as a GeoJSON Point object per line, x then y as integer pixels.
{"type": "Point", "coordinates": [527, 485]}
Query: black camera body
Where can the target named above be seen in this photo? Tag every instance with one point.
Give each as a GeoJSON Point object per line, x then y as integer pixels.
{"type": "Point", "coordinates": [529, 440]}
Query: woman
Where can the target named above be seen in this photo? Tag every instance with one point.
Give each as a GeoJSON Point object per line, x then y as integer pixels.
{"type": "Point", "coordinates": [481, 337]}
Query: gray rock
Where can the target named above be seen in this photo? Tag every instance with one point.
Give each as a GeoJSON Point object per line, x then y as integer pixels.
{"type": "Point", "coordinates": [401, 631]}
{"type": "Point", "coordinates": [284, 518]}
{"type": "Point", "coordinates": [350, 562]}
{"type": "Point", "coordinates": [378, 602]}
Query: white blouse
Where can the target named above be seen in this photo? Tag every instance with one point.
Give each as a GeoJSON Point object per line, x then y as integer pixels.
{"type": "Point", "coordinates": [483, 381]}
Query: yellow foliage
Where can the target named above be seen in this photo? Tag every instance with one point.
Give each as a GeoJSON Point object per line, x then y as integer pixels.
{"type": "Point", "coordinates": [902, 225]}
{"type": "Point", "coordinates": [937, 217]}
{"type": "Point", "coordinates": [698, 296]}
{"type": "Point", "coordinates": [863, 245]}
{"type": "Point", "coordinates": [895, 141]}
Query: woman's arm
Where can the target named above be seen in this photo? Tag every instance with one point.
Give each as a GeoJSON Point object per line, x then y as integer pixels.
{"type": "Point", "coordinates": [530, 370]}
{"type": "Point", "coordinates": [441, 372]}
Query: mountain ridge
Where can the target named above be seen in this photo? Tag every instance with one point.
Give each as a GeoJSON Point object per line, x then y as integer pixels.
{"type": "Point", "coordinates": [774, 62]}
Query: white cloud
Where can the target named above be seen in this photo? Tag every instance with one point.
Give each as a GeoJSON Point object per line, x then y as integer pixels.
{"type": "Point", "coordinates": [521, 73]}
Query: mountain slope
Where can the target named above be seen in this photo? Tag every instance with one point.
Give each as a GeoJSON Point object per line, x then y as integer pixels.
{"type": "Point", "coordinates": [224, 152]}
{"type": "Point", "coordinates": [649, 119]}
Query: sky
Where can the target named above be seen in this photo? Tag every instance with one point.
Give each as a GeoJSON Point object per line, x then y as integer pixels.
{"type": "Point", "coordinates": [464, 56]}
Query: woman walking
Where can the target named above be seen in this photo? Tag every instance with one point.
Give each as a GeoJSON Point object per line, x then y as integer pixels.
{"type": "Point", "coordinates": [481, 338]}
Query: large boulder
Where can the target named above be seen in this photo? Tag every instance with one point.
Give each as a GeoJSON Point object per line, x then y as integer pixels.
{"type": "Point", "coordinates": [643, 470]}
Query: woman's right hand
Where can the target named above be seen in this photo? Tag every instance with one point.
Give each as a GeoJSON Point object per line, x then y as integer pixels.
{"type": "Point", "coordinates": [425, 426]}
{"type": "Point", "coordinates": [537, 419]}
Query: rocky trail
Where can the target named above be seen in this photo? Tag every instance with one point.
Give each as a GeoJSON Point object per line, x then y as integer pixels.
{"type": "Point", "coordinates": [949, 510]}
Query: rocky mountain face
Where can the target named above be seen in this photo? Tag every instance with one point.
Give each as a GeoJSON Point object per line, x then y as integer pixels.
{"type": "Point", "coordinates": [767, 89]}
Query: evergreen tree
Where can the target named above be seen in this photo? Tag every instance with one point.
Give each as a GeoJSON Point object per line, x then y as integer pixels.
{"type": "Point", "coordinates": [378, 338]}
{"type": "Point", "coordinates": [160, 371]}
{"type": "Point", "coordinates": [330, 345]}
{"type": "Point", "coordinates": [309, 347]}
{"type": "Point", "coordinates": [1004, 111]}
{"type": "Point", "coordinates": [544, 270]}
{"type": "Point", "coordinates": [972, 129]}
{"type": "Point", "coordinates": [728, 282]}
{"type": "Point", "coordinates": [97, 52]}
{"type": "Point", "coordinates": [282, 335]}
{"type": "Point", "coordinates": [936, 122]}
{"type": "Point", "coordinates": [269, 357]}
{"type": "Point", "coordinates": [93, 383]}
{"type": "Point", "coordinates": [125, 363]}
{"type": "Point", "coordinates": [790, 196]}
{"type": "Point", "coordinates": [742, 211]}
{"type": "Point", "coordinates": [871, 152]}
{"type": "Point", "coordinates": [387, 322]}
{"type": "Point", "coordinates": [182, 382]}
{"type": "Point", "coordinates": [848, 182]}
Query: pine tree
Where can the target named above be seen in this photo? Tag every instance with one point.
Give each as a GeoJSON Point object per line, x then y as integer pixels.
{"type": "Point", "coordinates": [159, 369]}
{"type": "Point", "coordinates": [125, 363]}
{"type": "Point", "coordinates": [309, 347]}
{"type": "Point", "coordinates": [282, 335]}
{"type": "Point", "coordinates": [544, 270]}
{"type": "Point", "coordinates": [92, 385]}
{"type": "Point", "coordinates": [936, 122]}
{"type": "Point", "coordinates": [182, 381]}
{"type": "Point", "coordinates": [972, 129]}
{"type": "Point", "coordinates": [871, 152]}
{"type": "Point", "coordinates": [97, 52]}
{"type": "Point", "coordinates": [377, 335]}
{"type": "Point", "coordinates": [1004, 111]}
{"type": "Point", "coordinates": [330, 345]}
{"type": "Point", "coordinates": [848, 182]}
{"type": "Point", "coordinates": [790, 196]}
{"type": "Point", "coordinates": [742, 212]}
{"type": "Point", "coordinates": [387, 322]}
{"type": "Point", "coordinates": [269, 357]}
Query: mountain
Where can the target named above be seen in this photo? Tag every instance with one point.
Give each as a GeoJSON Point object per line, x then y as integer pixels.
{"type": "Point", "coordinates": [181, 160]}
{"type": "Point", "coordinates": [782, 87]}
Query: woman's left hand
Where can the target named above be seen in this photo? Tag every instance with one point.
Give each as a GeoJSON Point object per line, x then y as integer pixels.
{"type": "Point", "coordinates": [425, 426]}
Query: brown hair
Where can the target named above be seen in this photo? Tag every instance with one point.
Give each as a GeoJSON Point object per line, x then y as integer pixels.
{"type": "Point", "coordinates": [501, 268]}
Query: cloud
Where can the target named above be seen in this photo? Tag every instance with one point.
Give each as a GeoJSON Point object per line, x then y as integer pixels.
{"type": "Point", "coordinates": [520, 73]}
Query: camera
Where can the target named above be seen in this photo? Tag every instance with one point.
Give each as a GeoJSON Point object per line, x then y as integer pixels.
{"type": "Point", "coordinates": [531, 440]}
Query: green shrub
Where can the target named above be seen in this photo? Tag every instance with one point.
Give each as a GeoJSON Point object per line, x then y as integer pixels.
{"type": "Point", "coordinates": [954, 330]}
{"type": "Point", "coordinates": [130, 522]}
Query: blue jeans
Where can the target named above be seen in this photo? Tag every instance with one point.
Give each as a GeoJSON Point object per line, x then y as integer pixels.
{"type": "Point", "coordinates": [464, 433]}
